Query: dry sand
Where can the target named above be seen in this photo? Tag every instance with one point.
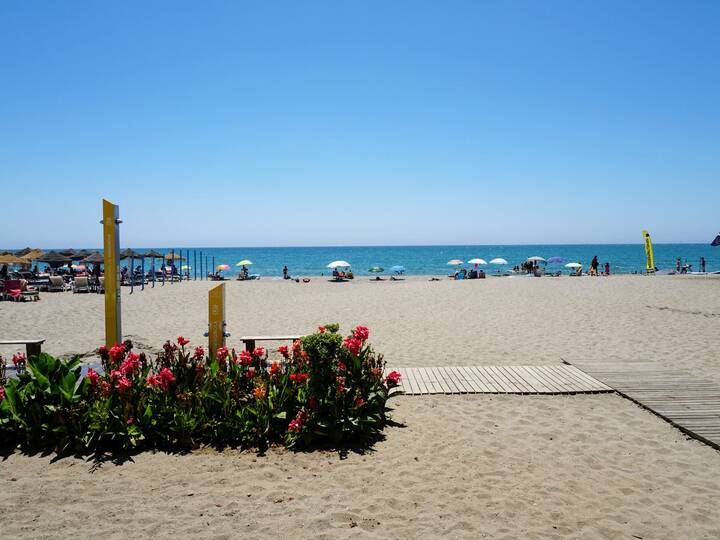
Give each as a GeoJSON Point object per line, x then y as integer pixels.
{"type": "Point", "coordinates": [458, 466]}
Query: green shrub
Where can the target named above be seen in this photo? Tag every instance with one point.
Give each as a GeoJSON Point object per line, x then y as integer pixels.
{"type": "Point", "coordinates": [324, 389]}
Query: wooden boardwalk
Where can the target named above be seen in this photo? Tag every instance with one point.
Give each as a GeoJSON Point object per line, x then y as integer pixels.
{"type": "Point", "coordinates": [555, 379]}
{"type": "Point", "coordinates": [688, 403]}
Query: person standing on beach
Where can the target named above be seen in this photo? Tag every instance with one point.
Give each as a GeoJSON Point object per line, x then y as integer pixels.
{"type": "Point", "coordinates": [678, 264]}
{"type": "Point", "coordinates": [285, 272]}
{"type": "Point", "coordinates": [594, 266]}
{"type": "Point", "coordinates": [702, 264]}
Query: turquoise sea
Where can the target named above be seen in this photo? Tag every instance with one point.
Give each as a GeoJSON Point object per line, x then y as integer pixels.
{"type": "Point", "coordinates": [432, 260]}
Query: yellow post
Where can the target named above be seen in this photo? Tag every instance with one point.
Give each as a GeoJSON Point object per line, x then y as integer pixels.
{"type": "Point", "coordinates": [216, 319]}
{"type": "Point", "coordinates": [111, 250]}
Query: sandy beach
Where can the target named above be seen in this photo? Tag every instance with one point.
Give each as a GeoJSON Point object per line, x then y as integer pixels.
{"type": "Point", "coordinates": [458, 466]}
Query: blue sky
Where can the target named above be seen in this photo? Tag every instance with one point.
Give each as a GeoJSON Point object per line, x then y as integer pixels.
{"type": "Point", "coordinates": [341, 123]}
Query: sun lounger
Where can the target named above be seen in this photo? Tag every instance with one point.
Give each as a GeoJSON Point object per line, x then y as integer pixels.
{"type": "Point", "coordinates": [81, 284]}
{"type": "Point", "coordinates": [57, 284]}
{"type": "Point", "coordinates": [12, 289]}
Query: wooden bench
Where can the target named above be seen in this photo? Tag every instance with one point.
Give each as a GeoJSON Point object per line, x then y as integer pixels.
{"type": "Point", "coordinates": [249, 341]}
{"type": "Point", "coordinates": [32, 346]}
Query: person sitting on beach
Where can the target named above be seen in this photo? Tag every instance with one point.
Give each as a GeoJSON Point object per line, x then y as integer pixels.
{"type": "Point", "coordinates": [335, 273]}
{"type": "Point", "coordinates": [350, 275]}
{"type": "Point", "coordinates": [607, 268]}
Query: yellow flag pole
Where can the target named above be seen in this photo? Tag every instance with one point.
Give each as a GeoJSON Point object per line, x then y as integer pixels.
{"type": "Point", "coordinates": [650, 264]}
{"type": "Point", "coordinates": [216, 319]}
{"type": "Point", "coordinates": [111, 252]}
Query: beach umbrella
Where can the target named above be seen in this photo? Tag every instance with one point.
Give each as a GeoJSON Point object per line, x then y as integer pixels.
{"type": "Point", "coordinates": [174, 256]}
{"type": "Point", "coordinates": [54, 258]}
{"type": "Point", "coordinates": [716, 242]}
{"type": "Point", "coordinates": [93, 258]}
{"type": "Point", "coordinates": [555, 260]}
{"type": "Point", "coordinates": [398, 268]}
{"type": "Point", "coordinates": [477, 261]}
{"type": "Point", "coordinates": [130, 254]}
{"type": "Point", "coordinates": [339, 264]}
{"type": "Point", "coordinates": [376, 269]}
{"type": "Point", "coordinates": [244, 262]}
{"type": "Point", "coordinates": [30, 254]}
{"type": "Point", "coordinates": [454, 262]}
{"type": "Point", "coordinates": [498, 260]}
{"type": "Point", "coordinates": [221, 267]}
{"type": "Point", "coordinates": [9, 258]}
{"type": "Point", "coordinates": [573, 265]}
{"type": "Point", "coordinates": [536, 259]}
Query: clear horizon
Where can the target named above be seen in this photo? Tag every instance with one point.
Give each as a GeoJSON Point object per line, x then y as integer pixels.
{"type": "Point", "coordinates": [373, 124]}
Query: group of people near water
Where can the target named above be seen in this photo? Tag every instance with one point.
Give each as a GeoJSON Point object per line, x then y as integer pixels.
{"type": "Point", "coordinates": [687, 267]}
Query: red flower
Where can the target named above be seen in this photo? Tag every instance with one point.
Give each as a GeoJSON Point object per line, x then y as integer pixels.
{"type": "Point", "coordinates": [199, 353]}
{"type": "Point", "coordinates": [115, 374]}
{"type": "Point", "coordinates": [245, 358]}
{"type": "Point", "coordinates": [376, 372]}
{"type": "Point", "coordinates": [361, 333]}
{"type": "Point", "coordinates": [321, 329]}
{"type": "Point", "coordinates": [166, 378]}
{"type": "Point", "coordinates": [353, 345]}
{"type": "Point", "coordinates": [274, 368]}
{"type": "Point", "coordinates": [342, 366]}
{"type": "Point", "coordinates": [105, 388]}
{"type": "Point", "coordinates": [393, 379]}
{"type": "Point", "coordinates": [299, 377]}
{"type": "Point", "coordinates": [283, 349]}
{"type": "Point", "coordinates": [131, 364]}
{"type": "Point", "coordinates": [123, 385]}
{"type": "Point", "coordinates": [93, 377]}
{"type": "Point", "coordinates": [259, 352]}
{"type": "Point", "coordinates": [304, 356]}
{"type": "Point", "coordinates": [182, 341]}
{"type": "Point", "coordinates": [130, 421]}
{"type": "Point", "coordinates": [297, 423]}
{"type": "Point", "coordinates": [2, 393]}
{"type": "Point", "coordinates": [163, 379]}
{"type": "Point", "coordinates": [297, 347]}
{"type": "Point", "coordinates": [222, 354]}
{"type": "Point", "coordinates": [340, 384]}
{"type": "Point", "coordinates": [259, 392]}
{"type": "Point", "coordinates": [102, 350]}
{"type": "Point", "coordinates": [359, 402]}
{"type": "Point", "coordinates": [117, 352]}
{"type": "Point", "coordinates": [19, 358]}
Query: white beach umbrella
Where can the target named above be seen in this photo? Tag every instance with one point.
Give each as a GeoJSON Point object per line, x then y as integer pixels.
{"type": "Point", "coordinates": [477, 261]}
{"type": "Point", "coordinates": [454, 262]}
{"type": "Point", "coordinates": [498, 260]}
{"type": "Point", "coordinates": [573, 265]}
{"type": "Point", "coordinates": [339, 264]}
{"type": "Point", "coordinates": [535, 259]}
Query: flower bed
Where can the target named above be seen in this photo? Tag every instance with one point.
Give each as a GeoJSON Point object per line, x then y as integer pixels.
{"type": "Point", "coordinates": [322, 389]}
